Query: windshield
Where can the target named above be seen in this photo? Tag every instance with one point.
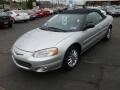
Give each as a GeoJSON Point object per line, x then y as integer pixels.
{"type": "Point", "coordinates": [64, 22]}
{"type": "Point", "coordinates": [24, 11]}
{"type": "Point", "coordinates": [3, 14]}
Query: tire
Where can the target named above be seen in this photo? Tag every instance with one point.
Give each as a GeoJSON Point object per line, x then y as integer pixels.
{"type": "Point", "coordinates": [71, 58]}
{"type": "Point", "coordinates": [34, 18]}
{"type": "Point", "coordinates": [13, 20]}
{"type": "Point", "coordinates": [10, 25]}
{"type": "Point", "coordinates": [108, 34]}
{"type": "Point", "coordinates": [25, 21]}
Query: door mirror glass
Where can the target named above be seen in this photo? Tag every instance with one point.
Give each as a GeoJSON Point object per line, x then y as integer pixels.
{"type": "Point", "coordinates": [89, 25]}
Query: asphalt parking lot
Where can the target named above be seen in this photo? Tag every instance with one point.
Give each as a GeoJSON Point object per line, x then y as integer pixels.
{"type": "Point", "coordinates": [99, 68]}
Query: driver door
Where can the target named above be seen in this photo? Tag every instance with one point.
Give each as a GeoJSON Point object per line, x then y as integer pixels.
{"type": "Point", "coordinates": [92, 27]}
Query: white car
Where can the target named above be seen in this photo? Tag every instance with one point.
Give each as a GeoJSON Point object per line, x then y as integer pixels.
{"type": "Point", "coordinates": [31, 13]}
{"type": "Point", "coordinates": [50, 10]}
{"type": "Point", "coordinates": [17, 15]}
{"type": "Point", "coordinates": [61, 40]}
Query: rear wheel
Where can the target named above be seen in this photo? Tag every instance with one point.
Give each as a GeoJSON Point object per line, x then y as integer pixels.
{"type": "Point", "coordinates": [108, 34]}
{"type": "Point", "coordinates": [71, 58]}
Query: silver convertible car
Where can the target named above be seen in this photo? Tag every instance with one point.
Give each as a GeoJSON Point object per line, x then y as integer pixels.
{"type": "Point", "coordinates": [61, 40]}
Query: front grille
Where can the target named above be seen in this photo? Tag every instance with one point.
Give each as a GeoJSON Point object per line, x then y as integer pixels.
{"type": "Point", "coordinates": [5, 18]}
{"type": "Point", "coordinates": [24, 64]}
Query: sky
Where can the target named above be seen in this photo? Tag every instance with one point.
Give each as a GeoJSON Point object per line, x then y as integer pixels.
{"type": "Point", "coordinates": [61, 1]}
{"type": "Point", "coordinates": [76, 1]}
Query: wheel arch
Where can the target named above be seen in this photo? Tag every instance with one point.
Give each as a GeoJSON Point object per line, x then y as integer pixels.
{"type": "Point", "coordinates": [110, 26]}
{"type": "Point", "coordinates": [64, 60]}
{"type": "Point", "coordinates": [75, 44]}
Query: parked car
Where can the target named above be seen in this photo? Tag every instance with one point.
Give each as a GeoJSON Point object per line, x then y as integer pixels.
{"type": "Point", "coordinates": [5, 10]}
{"type": "Point", "coordinates": [116, 6]}
{"type": "Point", "coordinates": [61, 40]}
{"type": "Point", "coordinates": [1, 10]}
{"type": "Point", "coordinates": [118, 10]}
{"type": "Point", "coordinates": [113, 11]}
{"type": "Point", "coordinates": [42, 13]}
{"type": "Point", "coordinates": [50, 10]}
{"type": "Point", "coordinates": [5, 20]}
{"type": "Point", "coordinates": [55, 11]}
{"type": "Point", "coordinates": [19, 15]}
{"type": "Point", "coordinates": [31, 13]}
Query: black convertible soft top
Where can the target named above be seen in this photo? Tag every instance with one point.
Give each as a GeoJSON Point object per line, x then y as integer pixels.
{"type": "Point", "coordinates": [83, 11]}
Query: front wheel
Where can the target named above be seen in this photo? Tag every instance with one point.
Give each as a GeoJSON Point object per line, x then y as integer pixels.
{"type": "Point", "coordinates": [108, 34]}
{"type": "Point", "coordinates": [71, 58]}
{"type": "Point", "coordinates": [10, 25]}
{"type": "Point", "coordinates": [25, 21]}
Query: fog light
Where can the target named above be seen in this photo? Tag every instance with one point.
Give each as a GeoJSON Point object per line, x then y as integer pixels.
{"type": "Point", "coordinates": [42, 69]}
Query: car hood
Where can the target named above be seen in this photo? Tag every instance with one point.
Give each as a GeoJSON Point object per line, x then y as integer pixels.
{"type": "Point", "coordinates": [40, 39]}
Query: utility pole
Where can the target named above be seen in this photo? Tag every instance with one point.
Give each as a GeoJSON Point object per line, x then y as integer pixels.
{"type": "Point", "coordinates": [11, 4]}
{"type": "Point", "coordinates": [52, 4]}
{"type": "Point", "coordinates": [58, 2]}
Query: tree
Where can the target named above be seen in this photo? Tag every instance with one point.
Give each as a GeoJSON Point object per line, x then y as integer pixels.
{"type": "Point", "coordinates": [1, 3]}
{"type": "Point", "coordinates": [11, 4]}
{"type": "Point", "coordinates": [30, 3]}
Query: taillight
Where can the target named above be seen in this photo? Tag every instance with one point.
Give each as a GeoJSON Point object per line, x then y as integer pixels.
{"type": "Point", "coordinates": [18, 15]}
{"type": "Point", "coordinates": [38, 12]}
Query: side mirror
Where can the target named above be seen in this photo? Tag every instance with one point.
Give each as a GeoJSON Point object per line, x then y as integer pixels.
{"type": "Point", "coordinates": [89, 25]}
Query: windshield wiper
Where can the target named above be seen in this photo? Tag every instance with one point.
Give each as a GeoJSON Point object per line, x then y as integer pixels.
{"type": "Point", "coordinates": [43, 28]}
{"type": "Point", "coordinates": [56, 29]}
{"type": "Point", "coordinates": [52, 29]}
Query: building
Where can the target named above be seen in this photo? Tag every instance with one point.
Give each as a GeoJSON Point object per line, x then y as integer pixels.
{"type": "Point", "coordinates": [103, 2]}
{"type": "Point", "coordinates": [43, 4]}
{"type": "Point", "coordinates": [97, 2]}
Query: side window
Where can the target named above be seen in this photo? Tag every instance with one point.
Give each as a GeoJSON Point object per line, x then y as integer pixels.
{"type": "Point", "coordinates": [94, 18]}
{"type": "Point", "coordinates": [9, 13]}
{"type": "Point", "coordinates": [91, 19]}
{"type": "Point", "coordinates": [99, 17]}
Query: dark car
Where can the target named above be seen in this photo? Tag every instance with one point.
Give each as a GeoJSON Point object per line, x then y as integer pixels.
{"type": "Point", "coordinates": [5, 20]}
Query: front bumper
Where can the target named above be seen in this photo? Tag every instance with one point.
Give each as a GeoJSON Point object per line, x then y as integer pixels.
{"type": "Point", "coordinates": [22, 18]}
{"type": "Point", "coordinates": [32, 17]}
{"type": "Point", "coordinates": [25, 60]}
{"type": "Point", "coordinates": [4, 23]}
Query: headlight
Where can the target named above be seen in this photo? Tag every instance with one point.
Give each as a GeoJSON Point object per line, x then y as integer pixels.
{"type": "Point", "coordinates": [46, 53]}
